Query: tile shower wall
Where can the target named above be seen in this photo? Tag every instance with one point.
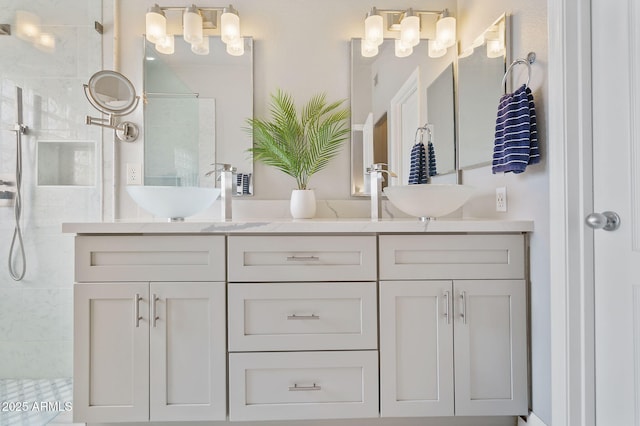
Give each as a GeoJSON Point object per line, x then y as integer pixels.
{"type": "Point", "coordinates": [36, 313]}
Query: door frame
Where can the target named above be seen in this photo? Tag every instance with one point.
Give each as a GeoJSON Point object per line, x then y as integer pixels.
{"type": "Point", "coordinates": [569, 149]}
{"type": "Point", "coordinates": [394, 120]}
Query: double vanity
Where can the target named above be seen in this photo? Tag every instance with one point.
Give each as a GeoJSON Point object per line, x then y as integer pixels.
{"type": "Point", "coordinates": [296, 320]}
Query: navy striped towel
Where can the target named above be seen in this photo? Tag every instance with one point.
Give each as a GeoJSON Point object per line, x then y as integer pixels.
{"type": "Point", "coordinates": [418, 170]}
{"type": "Point", "coordinates": [516, 137]}
{"type": "Point", "coordinates": [431, 157]}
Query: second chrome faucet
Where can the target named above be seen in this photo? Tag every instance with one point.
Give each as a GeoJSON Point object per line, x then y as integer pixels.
{"type": "Point", "coordinates": [226, 188]}
{"type": "Point", "coordinates": [376, 171]}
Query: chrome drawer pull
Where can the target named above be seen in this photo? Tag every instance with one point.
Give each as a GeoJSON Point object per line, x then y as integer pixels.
{"type": "Point", "coordinates": [446, 307]}
{"type": "Point", "coordinates": [303, 317]}
{"type": "Point", "coordinates": [136, 310]}
{"type": "Point", "coordinates": [154, 313]}
{"type": "Point", "coordinates": [463, 310]}
{"type": "Point", "coordinates": [295, 388]}
{"type": "Point", "coordinates": [302, 258]}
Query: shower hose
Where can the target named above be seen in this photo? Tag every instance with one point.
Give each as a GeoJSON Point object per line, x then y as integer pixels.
{"type": "Point", "coordinates": [17, 232]}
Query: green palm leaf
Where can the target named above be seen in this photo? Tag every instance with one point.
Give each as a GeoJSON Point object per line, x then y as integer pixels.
{"type": "Point", "coordinates": [299, 145]}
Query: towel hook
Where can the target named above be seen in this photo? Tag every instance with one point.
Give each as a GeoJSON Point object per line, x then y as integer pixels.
{"type": "Point", "coordinates": [421, 130]}
{"type": "Point", "coordinates": [531, 58]}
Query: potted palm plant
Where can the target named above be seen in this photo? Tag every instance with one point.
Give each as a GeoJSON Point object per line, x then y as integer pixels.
{"type": "Point", "coordinates": [300, 144]}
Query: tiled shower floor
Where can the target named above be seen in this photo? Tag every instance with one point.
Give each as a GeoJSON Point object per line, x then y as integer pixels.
{"type": "Point", "coordinates": [33, 402]}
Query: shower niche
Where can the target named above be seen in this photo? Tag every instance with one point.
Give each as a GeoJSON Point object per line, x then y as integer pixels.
{"type": "Point", "coordinates": [66, 163]}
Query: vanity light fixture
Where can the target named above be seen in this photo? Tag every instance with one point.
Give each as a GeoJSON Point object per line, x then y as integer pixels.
{"type": "Point", "coordinates": [192, 25]}
{"type": "Point", "coordinates": [446, 30]}
{"type": "Point", "coordinates": [197, 24]}
{"type": "Point", "coordinates": [373, 30]}
{"type": "Point", "coordinates": [410, 29]}
{"type": "Point", "coordinates": [229, 25]}
{"type": "Point", "coordinates": [407, 23]}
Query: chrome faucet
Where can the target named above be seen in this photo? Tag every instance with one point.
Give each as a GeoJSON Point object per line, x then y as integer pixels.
{"type": "Point", "coordinates": [376, 171]}
{"type": "Point", "coordinates": [226, 188]}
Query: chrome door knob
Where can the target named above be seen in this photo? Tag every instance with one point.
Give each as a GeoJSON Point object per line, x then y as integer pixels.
{"type": "Point", "coordinates": [609, 221]}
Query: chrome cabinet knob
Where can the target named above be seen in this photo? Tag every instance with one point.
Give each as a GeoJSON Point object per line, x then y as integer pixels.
{"type": "Point", "coordinates": [609, 221]}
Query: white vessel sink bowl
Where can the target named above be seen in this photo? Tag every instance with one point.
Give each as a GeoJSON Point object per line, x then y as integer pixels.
{"type": "Point", "coordinates": [173, 202]}
{"type": "Point", "coordinates": [429, 200]}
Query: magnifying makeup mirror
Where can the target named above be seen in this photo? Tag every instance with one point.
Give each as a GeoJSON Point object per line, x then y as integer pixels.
{"type": "Point", "coordinates": [112, 94]}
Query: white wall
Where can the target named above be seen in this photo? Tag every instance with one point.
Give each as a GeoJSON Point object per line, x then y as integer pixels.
{"type": "Point", "coordinates": [527, 193]}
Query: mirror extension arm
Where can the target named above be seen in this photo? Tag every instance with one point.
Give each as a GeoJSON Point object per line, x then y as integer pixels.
{"type": "Point", "coordinates": [125, 131]}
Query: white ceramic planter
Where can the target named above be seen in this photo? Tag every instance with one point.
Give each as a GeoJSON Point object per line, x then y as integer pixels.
{"type": "Point", "coordinates": [303, 203]}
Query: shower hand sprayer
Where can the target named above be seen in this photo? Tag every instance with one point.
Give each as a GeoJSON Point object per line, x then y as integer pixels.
{"type": "Point", "coordinates": [20, 129]}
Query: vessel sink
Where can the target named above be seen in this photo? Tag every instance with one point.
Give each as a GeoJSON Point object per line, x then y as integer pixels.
{"type": "Point", "coordinates": [173, 202]}
{"type": "Point", "coordinates": [429, 200]}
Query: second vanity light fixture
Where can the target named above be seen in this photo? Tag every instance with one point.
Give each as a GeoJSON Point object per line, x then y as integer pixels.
{"type": "Point", "coordinates": [194, 23]}
{"type": "Point", "coordinates": [408, 23]}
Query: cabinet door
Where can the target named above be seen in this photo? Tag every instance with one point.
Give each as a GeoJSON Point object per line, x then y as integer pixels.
{"type": "Point", "coordinates": [416, 348]}
{"type": "Point", "coordinates": [188, 351]}
{"type": "Point", "coordinates": [490, 348]}
{"type": "Point", "coordinates": [111, 352]}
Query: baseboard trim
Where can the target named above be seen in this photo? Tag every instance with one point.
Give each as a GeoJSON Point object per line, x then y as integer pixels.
{"type": "Point", "coordinates": [531, 420]}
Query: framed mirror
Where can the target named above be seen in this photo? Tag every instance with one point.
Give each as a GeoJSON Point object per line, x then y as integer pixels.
{"type": "Point", "coordinates": [195, 107]}
{"type": "Point", "coordinates": [389, 101]}
{"type": "Point", "coordinates": [481, 68]}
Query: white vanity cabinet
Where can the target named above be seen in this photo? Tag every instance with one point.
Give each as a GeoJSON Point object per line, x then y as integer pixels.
{"type": "Point", "coordinates": [453, 325]}
{"type": "Point", "coordinates": [302, 327]}
{"type": "Point", "coordinates": [150, 347]}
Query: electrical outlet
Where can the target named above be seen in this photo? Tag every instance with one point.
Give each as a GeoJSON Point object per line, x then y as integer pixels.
{"type": "Point", "coordinates": [134, 174]}
{"type": "Point", "coordinates": [501, 199]}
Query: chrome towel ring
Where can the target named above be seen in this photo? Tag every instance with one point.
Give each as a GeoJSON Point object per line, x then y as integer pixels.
{"type": "Point", "coordinates": [531, 58]}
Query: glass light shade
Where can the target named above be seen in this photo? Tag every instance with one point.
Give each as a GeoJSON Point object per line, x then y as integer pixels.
{"type": "Point", "coordinates": [166, 45]}
{"type": "Point", "coordinates": [192, 25]}
{"type": "Point", "coordinates": [410, 29]}
{"type": "Point", "coordinates": [436, 50]}
{"type": "Point", "coordinates": [368, 49]}
{"type": "Point", "coordinates": [27, 25]}
{"type": "Point", "coordinates": [201, 48]}
{"type": "Point", "coordinates": [495, 49]}
{"type": "Point", "coordinates": [236, 47]}
{"type": "Point", "coordinates": [229, 25]}
{"type": "Point", "coordinates": [156, 24]}
{"type": "Point", "coordinates": [402, 50]}
{"type": "Point", "coordinates": [446, 31]}
{"type": "Point", "coordinates": [373, 28]}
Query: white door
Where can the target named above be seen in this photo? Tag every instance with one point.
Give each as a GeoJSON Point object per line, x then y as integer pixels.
{"type": "Point", "coordinates": [187, 351]}
{"type": "Point", "coordinates": [616, 180]}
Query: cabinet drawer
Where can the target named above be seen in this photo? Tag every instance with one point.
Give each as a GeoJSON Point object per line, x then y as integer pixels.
{"type": "Point", "coordinates": [149, 258]}
{"type": "Point", "coordinates": [302, 258]}
{"type": "Point", "coordinates": [303, 385]}
{"type": "Point", "coordinates": [302, 316]}
{"type": "Point", "coordinates": [451, 257]}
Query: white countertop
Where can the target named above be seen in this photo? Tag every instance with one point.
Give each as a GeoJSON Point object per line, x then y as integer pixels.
{"type": "Point", "coordinates": [284, 226]}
